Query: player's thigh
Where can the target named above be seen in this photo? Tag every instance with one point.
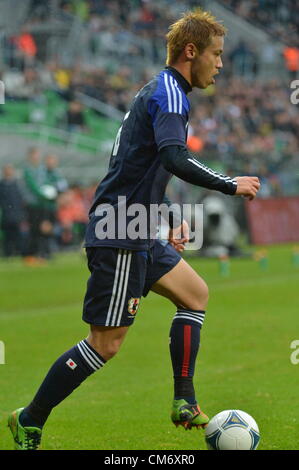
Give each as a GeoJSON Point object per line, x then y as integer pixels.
{"type": "Point", "coordinates": [183, 286]}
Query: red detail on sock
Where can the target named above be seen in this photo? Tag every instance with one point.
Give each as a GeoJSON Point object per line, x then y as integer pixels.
{"type": "Point", "coordinates": [187, 349]}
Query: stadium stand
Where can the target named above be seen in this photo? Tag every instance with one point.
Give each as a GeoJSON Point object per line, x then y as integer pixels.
{"type": "Point", "coordinates": [280, 19]}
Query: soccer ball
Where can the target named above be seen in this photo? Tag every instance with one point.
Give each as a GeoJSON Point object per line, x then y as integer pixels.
{"type": "Point", "coordinates": [232, 430]}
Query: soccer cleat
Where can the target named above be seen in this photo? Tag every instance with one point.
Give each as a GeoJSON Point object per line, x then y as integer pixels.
{"type": "Point", "coordinates": [188, 416]}
{"type": "Point", "coordinates": [26, 438]}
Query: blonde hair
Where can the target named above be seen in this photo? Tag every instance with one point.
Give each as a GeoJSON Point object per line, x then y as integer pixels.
{"type": "Point", "coordinates": [197, 27]}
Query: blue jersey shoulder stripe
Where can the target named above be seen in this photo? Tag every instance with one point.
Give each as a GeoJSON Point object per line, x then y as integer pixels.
{"type": "Point", "coordinates": [168, 96]}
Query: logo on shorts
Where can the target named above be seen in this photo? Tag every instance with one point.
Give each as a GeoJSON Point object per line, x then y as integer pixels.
{"type": "Point", "coordinates": [72, 365]}
{"type": "Point", "coordinates": [133, 305]}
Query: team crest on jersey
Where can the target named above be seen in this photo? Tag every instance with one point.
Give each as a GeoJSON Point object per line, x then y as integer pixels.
{"type": "Point", "coordinates": [133, 305]}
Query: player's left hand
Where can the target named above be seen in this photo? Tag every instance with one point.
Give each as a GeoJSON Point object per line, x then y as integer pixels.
{"type": "Point", "coordinates": [179, 236]}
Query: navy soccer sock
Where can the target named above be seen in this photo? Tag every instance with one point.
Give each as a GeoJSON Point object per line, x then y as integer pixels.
{"type": "Point", "coordinates": [184, 345]}
{"type": "Point", "coordinates": [66, 374]}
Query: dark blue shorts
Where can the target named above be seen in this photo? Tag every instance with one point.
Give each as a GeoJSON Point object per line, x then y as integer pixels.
{"type": "Point", "coordinates": [119, 278]}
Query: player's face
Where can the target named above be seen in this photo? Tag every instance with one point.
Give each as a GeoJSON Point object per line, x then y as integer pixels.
{"type": "Point", "coordinates": [207, 64]}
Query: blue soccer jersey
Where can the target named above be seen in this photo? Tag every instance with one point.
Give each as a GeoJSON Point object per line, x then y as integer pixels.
{"type": "Point", "coordinates": [136, 178]}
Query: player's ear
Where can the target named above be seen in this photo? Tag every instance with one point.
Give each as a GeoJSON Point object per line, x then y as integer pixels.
{"type": "Point", "coordinates": [190, 51]}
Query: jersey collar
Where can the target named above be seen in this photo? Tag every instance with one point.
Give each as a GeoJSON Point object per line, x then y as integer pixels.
{"type": "Point", "coordinates": [180, 79]}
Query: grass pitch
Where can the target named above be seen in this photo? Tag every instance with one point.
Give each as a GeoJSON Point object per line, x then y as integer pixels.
{"type": "Point", "coordinates": [244, 360]}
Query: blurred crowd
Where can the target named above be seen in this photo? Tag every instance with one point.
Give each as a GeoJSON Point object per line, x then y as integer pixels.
{"type": "Point", "coordinates": [249, 130]}
{"type": "Point", "coordinates": [39, 212]}
{"type": "Point", "coordinates": [279, 18]}
{"type": "Point", "coordinates": [148, 18]}
{"type": "Point", "coordinates": [243, 128]}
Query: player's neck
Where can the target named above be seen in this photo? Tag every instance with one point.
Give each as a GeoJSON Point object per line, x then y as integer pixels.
{"type": "Point", "coordinates": [185, 84]}
{"type": "Point", "coordinates": [184, 69]}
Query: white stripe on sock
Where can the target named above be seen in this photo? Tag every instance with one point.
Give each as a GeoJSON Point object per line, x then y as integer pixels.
{"type": "Point", "coordinates": [92, 355]}
{"type": "Point", "coordinates": [85, 357]}
{"type": "Point", "coordinates": [192, 312]}
{"type": "Point", "coordinates": [188, 317]}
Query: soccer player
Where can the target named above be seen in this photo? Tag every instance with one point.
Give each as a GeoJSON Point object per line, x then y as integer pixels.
{"type": "Point", "coordinates": [149, 148]}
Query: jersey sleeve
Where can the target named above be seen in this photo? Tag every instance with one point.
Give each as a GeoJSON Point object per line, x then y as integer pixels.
{"type": "Point", "coordinates": [180, 162]}
{"type": "Point", "coordinates": [168, 109]}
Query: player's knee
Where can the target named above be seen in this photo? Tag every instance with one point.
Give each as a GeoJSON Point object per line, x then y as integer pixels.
{"type": "Point", "coordinates": [111, 349]}
{"type": "Point", "coordinates": [106, 341]}
{"type": "Point", "coordinates": [199, 299]}
{"type": "Point", "coordinates": [106, 349]}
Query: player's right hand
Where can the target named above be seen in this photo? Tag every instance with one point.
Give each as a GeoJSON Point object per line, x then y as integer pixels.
{"type": "Point", "coordinates": [178, 236]}
{"type": "Point", "coordinates": [247, 186]}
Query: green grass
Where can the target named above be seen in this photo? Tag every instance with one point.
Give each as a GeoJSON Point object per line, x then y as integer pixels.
{"type": "Point", "coordinates": [244, 361]}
